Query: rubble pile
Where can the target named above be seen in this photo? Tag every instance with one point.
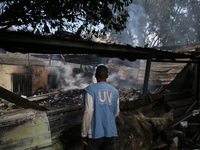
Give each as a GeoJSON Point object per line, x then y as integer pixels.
{"type": "Point", "coordinates": [71, 97]}
{"type": "Point", "coordinates": [6, 105]}
{"type": "Point", "coordinates": [152, 122]}
{"type": "Point", "coordinates": [63, 99]}
{"type": "Point", "coordinates": [74, 97]}
{"type": "Point", "coordinates": [129, 94]}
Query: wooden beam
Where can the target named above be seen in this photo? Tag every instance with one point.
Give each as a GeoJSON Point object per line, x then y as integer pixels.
{"type": "Point", "coordinates": [18, 100]}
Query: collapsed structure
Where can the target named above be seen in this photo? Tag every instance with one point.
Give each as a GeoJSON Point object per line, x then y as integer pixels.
{"type": "Point", "coordinates": [147, 120]}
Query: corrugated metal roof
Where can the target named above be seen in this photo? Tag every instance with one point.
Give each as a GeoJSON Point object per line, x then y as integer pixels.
{"type": "Point", "coordinates": [30, 43]}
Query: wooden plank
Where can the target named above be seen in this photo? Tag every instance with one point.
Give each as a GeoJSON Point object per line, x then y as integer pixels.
{"type": "Point", "coordinates": [136, 104]}
{"type": "Point", "coordinates": [178, 95]}
{"type": "Point", "coordinates": [18, 100]}
{"type": "Point", "coordinates": [181, 102]}
{"type": "Point", "coordinates": [146, 111]}
{"type": "Point", "coordinates": [178, 112]}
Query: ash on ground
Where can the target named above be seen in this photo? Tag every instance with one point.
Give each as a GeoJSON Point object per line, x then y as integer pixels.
{"type": "Point", "coordinates": [74, 97]}
{"type": "Point", "coordinates": [62, 99]}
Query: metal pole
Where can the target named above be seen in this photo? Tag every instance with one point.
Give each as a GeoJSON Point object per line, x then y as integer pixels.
{"type": "Point", "coordinates": [197, 76]}
{"type": "Point", "coordinates": [197, 83]}
{"type": "Point", "coordinates": [81, 62]}
{"type": "Point", "coordinates": [146, 77]}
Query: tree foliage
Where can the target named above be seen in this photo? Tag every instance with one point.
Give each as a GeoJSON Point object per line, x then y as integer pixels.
{"type": "Point", "coordinates": [66, 15]}
{"type": "Point", "coordinates": [161, 23]}
{"type": "Point", "coordinates": [152, 22]}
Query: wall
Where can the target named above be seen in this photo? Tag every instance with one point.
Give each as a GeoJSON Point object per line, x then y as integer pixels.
{"type": "Point", "coordinates": [5, 78]}
{"type": "Point", "coordinates": [39, 76]}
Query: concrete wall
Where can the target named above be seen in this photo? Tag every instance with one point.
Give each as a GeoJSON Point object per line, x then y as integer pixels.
{"type": "Point", "coordinates": [5, 78]}
{"type": "Point", "coordinates": [39, 75]}
{"type": "Point", "coordinates": [39, 78]}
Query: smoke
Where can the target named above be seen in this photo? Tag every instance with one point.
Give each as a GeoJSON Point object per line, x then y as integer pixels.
{"type": "Point", "coordinates": [67, 79]}
{"type": "Point", "coordinates": [112, 77]}
{"type": "Point", "coordinates": [135, 25]}
{"type": "Point", "coordinates": [133, 33]}
{"type": "Point", "coordinates": [122, 73]}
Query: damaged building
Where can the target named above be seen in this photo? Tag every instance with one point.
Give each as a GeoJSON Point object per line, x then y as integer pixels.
{"type": "Point", "coordinates": [159, 93]}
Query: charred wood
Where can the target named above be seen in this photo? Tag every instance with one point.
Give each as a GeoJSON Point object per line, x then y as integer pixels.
{"type": "Point", "coordinates": [18, 100]}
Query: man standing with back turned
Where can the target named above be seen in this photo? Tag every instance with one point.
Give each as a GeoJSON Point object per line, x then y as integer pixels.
{"type": "Point", "coordinates": [100, 108]}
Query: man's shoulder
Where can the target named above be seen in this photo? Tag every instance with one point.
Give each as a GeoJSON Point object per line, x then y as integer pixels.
{"type": "Point", "coordinates": [89, 87]}
{"type": "Point", "coordinates": [105, 84]}
{"type": "Point", "coordinates": [113, 88]}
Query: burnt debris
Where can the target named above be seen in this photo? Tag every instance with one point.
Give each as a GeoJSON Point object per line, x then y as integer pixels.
{"type": "Point", "coordinates": [62, 99]}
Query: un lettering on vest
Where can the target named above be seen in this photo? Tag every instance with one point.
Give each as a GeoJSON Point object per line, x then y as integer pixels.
{"type": "Point", "coordinates": [105, 97]}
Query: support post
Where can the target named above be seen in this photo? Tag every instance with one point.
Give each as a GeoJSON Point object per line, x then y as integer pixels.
{"type": "Point", "coordinates": [81, 62]}
{"type": "Point", "coordinates": [197, 80]}
{"type": "Point", "coordinates": [146, 77]}
{"type": "Point", "coordinates": [197, 76]}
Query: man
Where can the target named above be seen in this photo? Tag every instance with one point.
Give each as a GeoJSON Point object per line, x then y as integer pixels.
{"type": "Point", "coordinates": [100, 108]}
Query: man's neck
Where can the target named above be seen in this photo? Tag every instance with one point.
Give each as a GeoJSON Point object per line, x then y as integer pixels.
{"type": "Point", "coordinates": [101, 80]}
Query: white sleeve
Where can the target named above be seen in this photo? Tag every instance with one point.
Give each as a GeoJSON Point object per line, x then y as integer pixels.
{"type": "Point", "coordinates": [118, 110]}
{"type": "Point", "coordinates": [87, 116]}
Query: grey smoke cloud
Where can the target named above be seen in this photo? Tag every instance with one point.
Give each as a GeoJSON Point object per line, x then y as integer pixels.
{"type": "Point", "coordinates": [133, 33]}
{"type": "Point", "coordinates": [66, 79]}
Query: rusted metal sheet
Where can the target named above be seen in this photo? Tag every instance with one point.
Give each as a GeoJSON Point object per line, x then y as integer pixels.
{"type": "Point", "coordinates": [24, 129]}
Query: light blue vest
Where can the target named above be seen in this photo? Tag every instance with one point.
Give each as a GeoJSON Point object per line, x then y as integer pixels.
{"type": "Point", "coordinates": [105, 99]}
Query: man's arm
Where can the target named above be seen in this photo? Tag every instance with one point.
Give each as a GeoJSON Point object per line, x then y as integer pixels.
{"type": "Point", "coordinates": [118, 110]}
{"type": "Point", "coordinates": [87, 116]}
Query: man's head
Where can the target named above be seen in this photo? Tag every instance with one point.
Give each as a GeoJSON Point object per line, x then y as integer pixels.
{"type": "Point", "coordinates": [101, 73]}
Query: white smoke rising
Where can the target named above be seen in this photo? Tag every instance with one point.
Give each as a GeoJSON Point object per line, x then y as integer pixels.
{"type": "Point", "coordinates": [94, 79]}
{"type": "Point", "coordinates": [112, 79]}
{"type": "Point", "coordinates": [66, 79]}
{"type": "Point", "coordinates": [135, 24]}
{"type": "Point", "coordinates": [133, 33]}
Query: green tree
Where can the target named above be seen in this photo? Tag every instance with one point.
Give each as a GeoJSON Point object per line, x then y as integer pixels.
{"type": "Point", "coordinates": [161, 23]}
{"type": "Point", "coordinates": [172, 22]}
{"type": "Point", "coordinates": [75, 16]}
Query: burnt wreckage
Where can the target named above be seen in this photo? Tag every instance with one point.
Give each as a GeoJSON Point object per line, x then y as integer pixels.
{"type": "Point", "coordinates": [168, 118]}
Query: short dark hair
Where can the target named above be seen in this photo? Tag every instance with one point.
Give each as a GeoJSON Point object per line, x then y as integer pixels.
{"type": "Point", "coordinates": [101, 72]}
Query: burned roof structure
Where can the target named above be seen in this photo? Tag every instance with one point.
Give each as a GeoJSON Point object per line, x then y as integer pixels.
{"type": "Point", "coordinates": [26, 42]}
{"type": "Point", "coordinates": [52, 125]}
{"type": "Point", "coordinates": [31, 43]}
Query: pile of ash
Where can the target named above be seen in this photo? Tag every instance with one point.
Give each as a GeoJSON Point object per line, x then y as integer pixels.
{"type": "Point", "coordinates": [70, 97]}
{"type": "Point", "coordinates": [74, 97]}
{"type": "Point", "coordinates": [62, 99]}
{"type": "Point", "coordinates": [129, 94]}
